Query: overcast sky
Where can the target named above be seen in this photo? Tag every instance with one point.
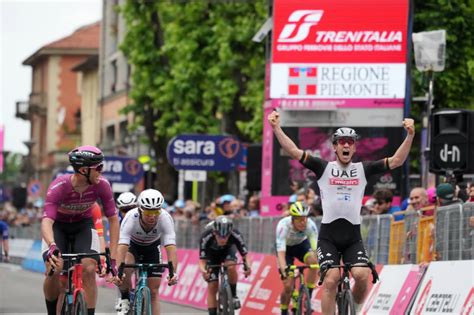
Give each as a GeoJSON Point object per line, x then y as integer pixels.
{"type": "Point", "coordinates": [26, 26]}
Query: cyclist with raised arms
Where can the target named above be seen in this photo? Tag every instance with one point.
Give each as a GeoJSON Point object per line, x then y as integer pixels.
{"type": "Point", "coordinates": [68, 226]}
{"type": "Point", "coordinates": [219, 244]}
{"type": "Point", "coordinates": [296, 236]}
{"type": "Point", "coordinates": [142, 232]}
{"type": "Point", "coordinates": [342, 184]}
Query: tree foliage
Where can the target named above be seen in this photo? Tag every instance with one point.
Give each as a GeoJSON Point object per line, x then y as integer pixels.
{"type": "Point", "coordinates": [195, 68]}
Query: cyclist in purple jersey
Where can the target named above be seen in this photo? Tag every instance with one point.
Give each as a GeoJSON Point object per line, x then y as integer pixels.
{"type": "Point", "coordinates": [68, 226]}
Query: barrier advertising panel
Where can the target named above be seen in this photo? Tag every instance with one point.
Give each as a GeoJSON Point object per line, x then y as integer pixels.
{"type": "Point", "coordinates": [447, 288]}
{"type": "Point", "coordinates": [392, 295]}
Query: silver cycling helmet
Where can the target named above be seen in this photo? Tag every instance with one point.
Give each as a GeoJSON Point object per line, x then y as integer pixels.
{"type": "Point", "coordinates": [344, 132]}
{"type": "Point", "coordinates": [126, 201]}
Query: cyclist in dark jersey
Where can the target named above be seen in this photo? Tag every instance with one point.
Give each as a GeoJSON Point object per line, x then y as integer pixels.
{"type": "Point", "coordinates": [342, 184]}
{"type": "Point", "coordinates": [68, 226]}
{"type": "Point", "coordinates": [219, 244]}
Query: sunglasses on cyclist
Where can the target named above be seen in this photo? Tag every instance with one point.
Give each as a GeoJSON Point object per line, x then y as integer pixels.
{"type": "Point", "coordinates": [151, 212]}
{"type": "Point", "coordinates": [343, 141]}
{"type": "Point", "coordinates": [99, 167]}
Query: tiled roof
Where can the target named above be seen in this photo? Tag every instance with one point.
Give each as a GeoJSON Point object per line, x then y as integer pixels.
{"type": "Point", "coordinates": [83, 40]}
{"type": "Point", "coordinates": [84, 37]}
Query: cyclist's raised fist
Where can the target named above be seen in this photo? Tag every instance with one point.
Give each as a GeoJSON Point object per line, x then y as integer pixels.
{"type": "Point", "coordinates": [274, 118]}
{"type": "Point", "coordinates": [409, 125]}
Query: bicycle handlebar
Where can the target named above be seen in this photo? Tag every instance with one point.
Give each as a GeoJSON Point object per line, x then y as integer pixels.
{"type": "Point", "coordinates": [146, 266]}
{"type": "Point", "coordinates": [79, 256]}
{"type": "Point", "coordinates": [375, 276]}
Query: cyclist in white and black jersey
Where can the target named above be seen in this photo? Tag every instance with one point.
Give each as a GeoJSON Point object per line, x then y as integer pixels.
{"type": "Point", "coordinates": [342, 184]}
{"type": "Point", "coordinates": [296, 237]}
{"type": "Point", "coordinates": [142, 232]}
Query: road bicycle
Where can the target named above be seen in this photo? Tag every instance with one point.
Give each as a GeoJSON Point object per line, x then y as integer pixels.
{"type": "Point", "coordinates": [301, 300]}
{"type": "Point", "coordinates": [141, 299]}
{"type": "Point", "coordinates": [73, 302]}
{"type": "Point", "coordinates": [225, 299]}
{"type": "Point", "coordinates": [344, 298]}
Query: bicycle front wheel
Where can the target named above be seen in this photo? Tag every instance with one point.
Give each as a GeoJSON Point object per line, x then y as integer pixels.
{"type": "Point", "coordinates": [65, 307]}
{"type": "Point", "coordinates": [226, 302]}
{"type": "Point", "coordinates": [347, 305]}
{"type": "Point", "coordinates": [142, 302]}
{"type": "Point", "coordinates": [80, 307]}
{"type": "Point", "coordinates": [304, 302]}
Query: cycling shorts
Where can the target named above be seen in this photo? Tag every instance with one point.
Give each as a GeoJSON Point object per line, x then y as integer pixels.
{"type": "Point", "coordinates": [74, 237]}
{"type": "Point", "coordinates": [150, 254]}
{"type": "Point", "coordinates": [218, 257]}
{"type": "Point", "coordinates": [298, 251]}
{"type": "Point", "coordinates": [338, 240]}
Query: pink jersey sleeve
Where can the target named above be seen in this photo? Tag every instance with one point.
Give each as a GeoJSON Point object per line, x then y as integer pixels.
{"type": "Point", "coordinates": [54, 196]}
{"type": "Point", "coordinates": [107, 198]}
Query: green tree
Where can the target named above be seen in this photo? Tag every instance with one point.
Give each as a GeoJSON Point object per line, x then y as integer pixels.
{"type": "Point", "coordinates": [195, 70]}
{"type": "Point", "coordinates": [453, 87]}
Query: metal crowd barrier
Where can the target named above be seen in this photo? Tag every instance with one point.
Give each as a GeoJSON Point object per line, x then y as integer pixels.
{"type": "Point", "coordinates": [416, 238]}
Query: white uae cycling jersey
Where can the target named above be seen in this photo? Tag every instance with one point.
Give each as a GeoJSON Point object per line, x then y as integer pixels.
{"type": "Point", "coordinates": [131, 230]}
{"type": "Point", "coordinates": [342, 189]}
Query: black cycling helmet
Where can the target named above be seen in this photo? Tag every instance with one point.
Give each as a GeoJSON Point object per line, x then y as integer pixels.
{"type": "Point", "coordinates": [223, 225]}
{"type": "Point", "coordinates": [85, 156]}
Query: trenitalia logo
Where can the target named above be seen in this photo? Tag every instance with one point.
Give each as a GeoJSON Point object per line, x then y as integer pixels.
{"type": "Point", "coordinates": [301, 21]}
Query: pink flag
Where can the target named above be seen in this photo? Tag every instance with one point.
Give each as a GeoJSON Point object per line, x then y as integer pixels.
{"type": "Point", "coordinates": [1, 148]}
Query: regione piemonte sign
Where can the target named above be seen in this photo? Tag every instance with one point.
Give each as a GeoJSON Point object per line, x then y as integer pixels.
{"type": "Point", "coordinates": [343, 49]}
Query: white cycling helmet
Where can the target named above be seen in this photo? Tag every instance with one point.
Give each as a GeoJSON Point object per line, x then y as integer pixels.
{"type": "Point", "coordinates": [344, 132]}
{"type": "Point", "coordinates": [150, 199]}
{"type": "Point", "coordinates": [126, 201]}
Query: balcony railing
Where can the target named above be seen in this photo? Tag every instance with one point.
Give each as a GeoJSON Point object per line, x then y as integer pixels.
{"type": "Point", "coordinates": [36, 105]}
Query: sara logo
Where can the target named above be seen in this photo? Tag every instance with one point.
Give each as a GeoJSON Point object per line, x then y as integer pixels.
{"type": "Point", "coordinates": [299, 24]}
{"type": "Point", "coordinates": [229, 147]}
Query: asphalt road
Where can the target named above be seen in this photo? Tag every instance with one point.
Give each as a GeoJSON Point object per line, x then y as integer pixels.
{"type": "Point", "coordinates": [21, 292]}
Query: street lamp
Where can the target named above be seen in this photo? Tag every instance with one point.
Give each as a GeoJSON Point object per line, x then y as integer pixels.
{"type": "Point", "coordinates": [430, 52]}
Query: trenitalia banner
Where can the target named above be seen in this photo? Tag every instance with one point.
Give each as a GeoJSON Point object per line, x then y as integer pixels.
{"type": "Point", "coordinates": [343, 49]}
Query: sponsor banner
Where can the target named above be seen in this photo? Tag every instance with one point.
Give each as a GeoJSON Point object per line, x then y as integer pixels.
{"type": "Point", "coordinates": [192, 289]}
{"type": "Point", "coordinates": [447, 287]}
{"type": "Point", "coordinates": [20, 247]}
{"type": "Point", "coordinates": [392, 295]}
{"type": "Point", "coordinates": [349, 31]}
{"type": "Point", "coordinates": [338, 81]}
{"type": "Point", "coordinates": [204, 152]}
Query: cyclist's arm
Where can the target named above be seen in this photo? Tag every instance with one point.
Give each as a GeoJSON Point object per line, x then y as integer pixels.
{"type": "Point", "coordinates": [122, 250]}
{"type": "Point", "coordinates": [202, 265]}
{"type": "Point", "coordinates": [239, 242]}
{"type": "Point", "coordinates": [47, 230]}
{"type": "Point", "coordinates": [286, 143]}
{"type": "Point", "coordinates": [110, 211]}
{"type": "Point", "coordinates": [281, 232]}
{"type": "Point", "coordinates": [172, 256]}
{"type": "Point", "coordinates": [402, 152]}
